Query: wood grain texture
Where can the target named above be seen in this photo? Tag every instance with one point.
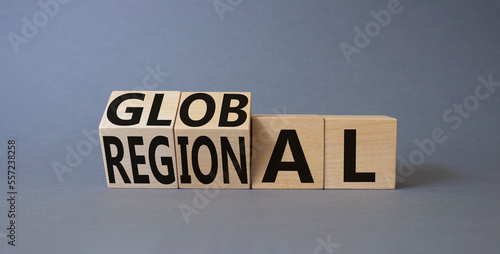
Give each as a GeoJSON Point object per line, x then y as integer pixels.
{"type": "Point", "coordinates": [141, 132]}
{"type": "Point", "coordinates": [214, 167]}
{"type": "Point", "coordinates": [266, 130]}
{"type": "Point", "coordinates": [375, 150]}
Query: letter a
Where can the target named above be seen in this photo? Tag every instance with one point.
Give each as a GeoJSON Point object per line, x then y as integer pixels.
{"type": "Point", "coordinates": [299, 164]}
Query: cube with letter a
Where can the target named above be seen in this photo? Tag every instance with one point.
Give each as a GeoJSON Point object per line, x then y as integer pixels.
{"type": "Point", "coordinates": [137, 139]}
{"type": "Point", "coordinates": [287, 151]}
{"type": "Point", "coordinates": [360, 152]}
{"type": "Point", "coordinates": [212, 134]}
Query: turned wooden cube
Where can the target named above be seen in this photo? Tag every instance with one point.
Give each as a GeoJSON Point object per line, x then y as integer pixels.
{"type": "Point", "coordinates": [137, 139]}
{"type": "Point", "coordinates": [212, 133]}
{"type": "Point", "coordinates": [360, 152]}
{"type": "Point", "coordinates": [287, 151]}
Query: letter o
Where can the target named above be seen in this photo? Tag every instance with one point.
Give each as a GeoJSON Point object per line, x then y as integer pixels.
{"type": "Point", "coordinates": [84, 148]}
{"type": "Point", "coordinates": [374, 25]}
{"type": "Point", "coordinates": [37, 21]}
{"type": "Point", "coordinates": [184, 110]}
{"type": "Point", "coordinates": [475, 103]}
{"type": "Point", "coordinates": [417, 157]}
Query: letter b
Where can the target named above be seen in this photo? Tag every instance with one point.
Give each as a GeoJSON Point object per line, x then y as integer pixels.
{"type": "Point", "coordinates": [383, 17]}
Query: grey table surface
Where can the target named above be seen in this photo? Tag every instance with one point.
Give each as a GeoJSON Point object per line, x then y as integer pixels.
{"type": "Point", "coordinates": [434, 65]}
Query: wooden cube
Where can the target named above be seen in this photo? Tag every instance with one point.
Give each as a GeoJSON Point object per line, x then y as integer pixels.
{"type": "Point", "coordinates": [360, 152]}
{"type": "Point", "coordinates": [287, 151]}
{"type": "Point", "coordinates": [212, 133]}
{"type": "Point", "coordinates": [137, 139]}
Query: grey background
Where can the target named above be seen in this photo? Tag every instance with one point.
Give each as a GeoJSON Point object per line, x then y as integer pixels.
{"type": "Point", "coordinates": [287, 53]}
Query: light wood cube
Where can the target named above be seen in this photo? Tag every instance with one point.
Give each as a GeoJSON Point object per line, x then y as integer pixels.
{"type": "Point", "coordinates": [137, 139]}
{"type": "Point", "coordinates": [213, 140]}
{"type": "Point", "coordinates": [287, 151]}
{"type": "Point", "coordinates": [360, 152]}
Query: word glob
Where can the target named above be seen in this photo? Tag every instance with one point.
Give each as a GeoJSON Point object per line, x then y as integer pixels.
{"type": "Point", "coordinates": [167, 139]}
